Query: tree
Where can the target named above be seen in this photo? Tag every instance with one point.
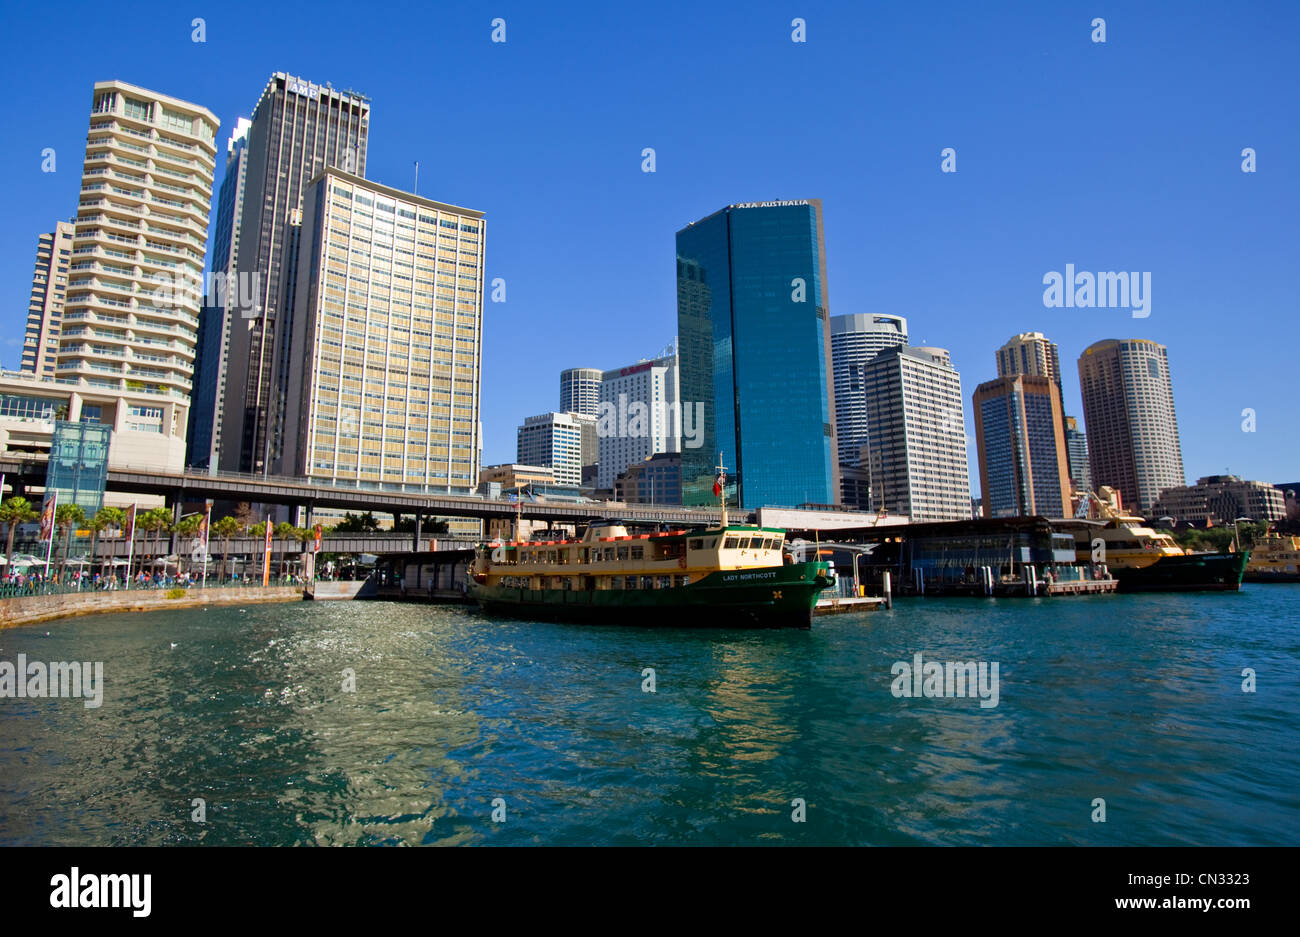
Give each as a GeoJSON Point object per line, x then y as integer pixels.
{"type": "Point", "coordinates": [153, 521]}
{"type": "Point", "coordinates": [105, 518]}
{"type": "Point", "coordinates": [283, 531]}
{"type": "Point", "coordinates": [225, 528]}
{"type": "Point", "coordinates": [357, 524]}
{"type": "Point", "coordinates": [16, 510]}
{"type": "Point", "coordinates": [67, 517]}
{"type": "Point", "coordinates": [188, 527]}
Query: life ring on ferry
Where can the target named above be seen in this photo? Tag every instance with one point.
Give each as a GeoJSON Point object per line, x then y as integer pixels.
{"type": "Point", "coordinates": [682, 562]}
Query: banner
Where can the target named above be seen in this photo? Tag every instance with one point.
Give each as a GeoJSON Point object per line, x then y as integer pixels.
{"type": "Point", "coordinates": [266, 556]}
{"type": "Point", "coordinates": [47, 516]}
{"type": "Point", "coordinates": [319, 532]}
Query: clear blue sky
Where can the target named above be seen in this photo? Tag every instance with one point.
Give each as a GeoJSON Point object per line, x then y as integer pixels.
{"type": "Point", "coordinates": [1115, 156]}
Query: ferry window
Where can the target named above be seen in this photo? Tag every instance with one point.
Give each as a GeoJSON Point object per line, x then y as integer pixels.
{"type": "Point", "coordinates": [622, 553]}
{"type": "Point", "coordinates": [629, 582]}
{"type": "Point", "coordinates": [616, 582]}
{"type": "Point", "coordinates": [647, 582]}
{"type": "Point", "coordinates": [665, 582]}
{"type": "Point", "coordinates": [730, 543]}
{"type": "Point", "coordinates": [638, 552]}
{"type": "Point", "coordinates": [744, 543]}
{"type": "Point", "coordinates": [683, 580]}
{"type": "Point", "coordinates": [697, 544]}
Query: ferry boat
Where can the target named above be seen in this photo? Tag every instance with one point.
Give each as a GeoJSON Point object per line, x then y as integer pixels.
{"type": "Point", "coordinates": [731, 576]}
{"type": "Point", "coordinates": [1274, 559]}
{"type": "Point", "coordinates": [1146, 560]}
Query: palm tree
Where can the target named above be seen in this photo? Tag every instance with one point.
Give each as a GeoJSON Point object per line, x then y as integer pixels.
{"type": "Point", "coordinates": [283, 531]}
{"type": "Point", "coordinates": [104, 518]}
{"type": "Point", "coordinates": [189, 527]}
{"type": "Point", "coordinates": [153, 521]}
{"type": "Point", "coordinates": [17, 510]}
{"type": "Point", "coordinates": [225, 528]}
{"type": "Point", "coordinates": [66, 518]}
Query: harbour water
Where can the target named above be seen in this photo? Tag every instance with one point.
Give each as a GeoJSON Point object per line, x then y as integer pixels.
{"type": "Point", "coordinates": [466, 730]}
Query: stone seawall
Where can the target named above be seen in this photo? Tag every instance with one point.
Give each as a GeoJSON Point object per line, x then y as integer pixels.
{"type": "Point", "coordinates": [32, 609]}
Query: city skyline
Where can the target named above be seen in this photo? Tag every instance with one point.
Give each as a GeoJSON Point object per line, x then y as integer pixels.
{"type": "Point", "coordinates": [916, 246]}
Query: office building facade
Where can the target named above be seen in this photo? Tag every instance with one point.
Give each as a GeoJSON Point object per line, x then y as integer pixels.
{"type": "Point", "coordinates": [221, 309]}
{"type": "Point", "coordinates": [1020, 438]}
{"type": "Point", "coordinates": [298, 130]}
{"type": "Point", "coordinates": [580, 390]}
{"type": "Point", "coordinates": [754, 348]}
{"type": "Point", "coordinates": [1128, 407]}
{"type": "Point", "coordinates": [1220, 500]}
{"type": "Point", "coordinates": [917, 447]}
{"type": "Point", "coordinates": [1076, 453]}
{"type": "Point", "coordinates": [637, 417]}
{"type": "Point", "coordinates": [1030, 353]}
{"type": "Point", "coordinates": [855, 340]}
{"type": "Point", "coordinates": [387, 338]}
{"type": "Point", "coordinates": [557, 441]}
{"type": "Point", "coordinates": [135, 282]}
{"type": "Point", "coordinates": [49, 293]}
{"type": "Point", "coordinates": [655, 480]}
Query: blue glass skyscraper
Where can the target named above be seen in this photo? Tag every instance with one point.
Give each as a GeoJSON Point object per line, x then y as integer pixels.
{"type": "Point", "coordinates": [754, 350]}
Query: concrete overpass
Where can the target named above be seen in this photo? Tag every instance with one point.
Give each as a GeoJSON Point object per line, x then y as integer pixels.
{"type": "Point", "coordinates": [24, 471]}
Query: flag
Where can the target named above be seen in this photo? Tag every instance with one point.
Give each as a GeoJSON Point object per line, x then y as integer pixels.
{"type": "Point", "coordinates": [266, 555]}
{"type": "Point", "coordinates": [47, 516]}
{"type": "Point", "coordinates": [318, 531]}
{"type": "Point", "coordinates": [717, 485]}
{"type": "Point", "coordinates": [203, 527]}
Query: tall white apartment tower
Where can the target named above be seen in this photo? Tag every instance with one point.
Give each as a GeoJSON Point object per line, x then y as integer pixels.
{"type": "Point", "coordinates": [136, 279]}
{"type": "Point", "coordinates": [580, 390]}
{"type": "Point", "coordinates": [555, 440]}
{"type": "Point", "coordinates": [638, 418]}
{"type": "Point", "coordinates": [855, 340]}
{"type": "Point", "coordinates": [918, 438]}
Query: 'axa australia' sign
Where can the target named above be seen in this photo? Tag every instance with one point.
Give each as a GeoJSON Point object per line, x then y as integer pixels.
{"type": "Point", "coordinates": [798, 201]}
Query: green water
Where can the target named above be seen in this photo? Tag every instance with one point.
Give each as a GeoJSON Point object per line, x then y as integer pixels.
{"type": "Point", "coordinates": [1133, 699]}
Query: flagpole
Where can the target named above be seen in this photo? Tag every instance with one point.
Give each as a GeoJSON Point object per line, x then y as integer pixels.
{"type": "Point", "coordinates": [207, 525]}
{"type": "Point", "coordinates": [49, 544]}
{"type": "Point", "coordinates": [130, 548]}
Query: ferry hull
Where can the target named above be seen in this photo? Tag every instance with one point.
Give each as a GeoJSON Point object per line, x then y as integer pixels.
{"type": "Point", "coordinates": [771, 597]}
{"type": "Point", "coordinates": [1195, 572]}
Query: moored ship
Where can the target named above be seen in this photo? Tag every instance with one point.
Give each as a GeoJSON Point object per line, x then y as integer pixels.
{"type": "Point", "coordinates": [1145, 560]}
{"type": "Point", "coordinates": [1275, 558]}
{"type": "Point", "coordinates": [728, 576]}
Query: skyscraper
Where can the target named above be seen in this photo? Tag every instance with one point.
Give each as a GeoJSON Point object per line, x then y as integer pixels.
{"type": "Point", "coordinates": [1128, 406]}
{"type": "Point", "coordinates": [223, 308]}
{"type": "Point", "coordinates": [134, 289]}
{"type": "Point", "coordinates": [637, 417]}
{"type": "Point", "coordinates": [917, 448]}
{"type": "Point", "coordinates": [1076, 451]}
{"type": "Point", "coordinates": [580, 390]}
{"type": "Point", "coordinates": [754, 349]}
{"type": "Point", "coordinates": [387, 338]}
{"type": "Point", "coordinates": [557, 441]}
{"type": "Point", "coordinates": [49, 292]}
{"type": "Point", "coordinates": [856, 339]}
{"type": "Point", "coordinates": [1020, 435]}
{"type": "Point", "coordinates": [298, 130]}
{"type": "Point", "coordinates": [1030, 353]}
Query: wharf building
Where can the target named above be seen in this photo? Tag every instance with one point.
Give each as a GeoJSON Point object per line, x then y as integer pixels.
{"type": "Point", "coordinates": [917, 449]}
{"type": "Point", "coordinates": [580, 390]}
{"type": "Point", "coordinates": [1220, 500]}
{"type": "Point", "coordinates": [638, 416]}
{"type": "Point", "coordinates": [1128, 406]}
{"type": "Point", "coordinates": [1020, 437]}
{"type": "Point", "coordinates": [562, 442]}
{"type": "Point", "coordinates": [299, 129]}
{"type": "Point", "coordinates": [221, 311]}
{"type": "Point", "coordinates": [754, 348]}
{"type": "Point", "coordinates": [49, 293]}
{"type": "Point", "coordinates": [387, 339]}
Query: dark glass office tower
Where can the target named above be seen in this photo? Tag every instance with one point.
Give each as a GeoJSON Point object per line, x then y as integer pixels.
{"type": "Point", "coordinates": [754, 348]}
{"type": "Point", "coordinates": [298, 129]}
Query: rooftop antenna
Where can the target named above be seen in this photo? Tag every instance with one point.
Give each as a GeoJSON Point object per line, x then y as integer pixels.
{"type": "Point", "coordinates": [417, 177]}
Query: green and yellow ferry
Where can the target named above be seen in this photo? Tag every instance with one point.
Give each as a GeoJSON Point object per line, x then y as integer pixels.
{"type": "Point", "coordinates": [732, 576]}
